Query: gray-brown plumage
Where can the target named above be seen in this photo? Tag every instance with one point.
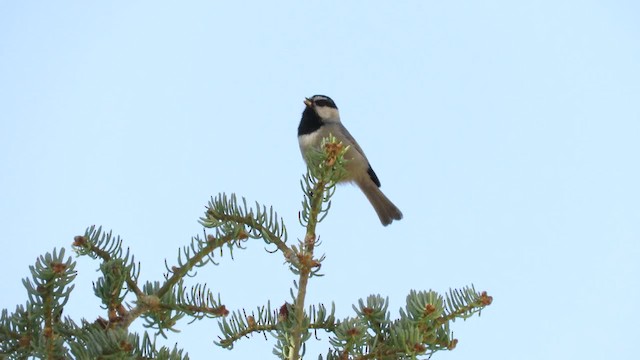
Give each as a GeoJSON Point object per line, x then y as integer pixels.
{"type": "Point", "coordinates": [321, 118]}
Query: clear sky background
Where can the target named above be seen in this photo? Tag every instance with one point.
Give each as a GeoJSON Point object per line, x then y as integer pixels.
{"type": "Point", "coordinates": [508, 132]}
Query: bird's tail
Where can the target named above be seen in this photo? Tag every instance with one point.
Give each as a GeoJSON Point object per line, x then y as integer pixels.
{"type": "Point", "coordinates": [386, 210]}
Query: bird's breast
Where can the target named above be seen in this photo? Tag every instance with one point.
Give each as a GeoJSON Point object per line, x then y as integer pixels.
{"type": "Point", "coordinates": [309, 141]}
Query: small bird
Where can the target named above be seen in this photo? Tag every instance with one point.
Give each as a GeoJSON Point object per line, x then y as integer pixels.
{"type": "Point", "coordinates": [321, 118]}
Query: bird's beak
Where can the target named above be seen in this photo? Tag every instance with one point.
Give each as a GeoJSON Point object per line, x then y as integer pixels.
{"type": "Point", "coordinates": [307, 102]}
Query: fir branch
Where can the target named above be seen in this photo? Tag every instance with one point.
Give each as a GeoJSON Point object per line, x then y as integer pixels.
{"type": "Point", "coordinates": [97, 244]}
{"type": "Point", "coordinates": [38, 329]}
{"type": "Point", "coordinates": [179, 272]}
{"type": "Point", "coordinates": [49, 290]}
{"type": "Point", "coordinates": [239, 325]}
{"type": "Point", "coordinates": [160, 301]}
{"type": "Point", "coordinates": [200, 303]}
{"type": "Point", "coordinates": [326, 169]}
{"type": "Point", "coordinates": [225, 214]}
{"type": "Point", "coordinates": [306, 260]}
{"type": "Point", "coordinates": [17, 331]}
{"type": "Point", "coordinates": [465, 303]}
{"type": "Point", "coordinates": [94, 342]}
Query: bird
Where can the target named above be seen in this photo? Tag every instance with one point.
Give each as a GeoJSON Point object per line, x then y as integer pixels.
{"type": "Point", "coordinates": [321, 118]}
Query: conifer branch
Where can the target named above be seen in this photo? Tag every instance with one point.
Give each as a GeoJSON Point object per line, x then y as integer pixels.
{"type": "Point", "coordinates": [226, 215]}
{"type": "Point", "coordinates": [92, 243]}
{"type": "Point", "coordinates": [198, 257]}
{"type": "Point", "coordinates": [38, 329]}
{"type": "Point", "coordinates": [326, 168]}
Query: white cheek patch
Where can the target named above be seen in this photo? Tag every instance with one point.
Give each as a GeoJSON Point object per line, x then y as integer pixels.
{"type": "Point", "coordinates": [327, 113]}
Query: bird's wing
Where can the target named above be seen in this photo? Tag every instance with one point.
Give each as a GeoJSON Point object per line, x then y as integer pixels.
{"type": "Point", "coordinates": [351, 140]}
{"type": "Point", "coordinates": [342, 134]}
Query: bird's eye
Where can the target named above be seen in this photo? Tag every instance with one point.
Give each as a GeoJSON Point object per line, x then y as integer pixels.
{"type": "Point", "coordinates": [322, 102]}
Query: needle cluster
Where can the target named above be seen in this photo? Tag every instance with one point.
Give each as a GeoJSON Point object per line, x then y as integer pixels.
{"type": "Point", "coordinates": [39, 328]}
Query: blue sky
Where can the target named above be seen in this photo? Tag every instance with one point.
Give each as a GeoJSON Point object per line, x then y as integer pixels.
{"type": "Point", "coordinates": [507, 132]}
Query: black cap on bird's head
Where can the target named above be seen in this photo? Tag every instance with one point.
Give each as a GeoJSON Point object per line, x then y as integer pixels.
{"type": "Point", "coordinates": [318, 110]}
{"type": "Point", "coordinates": [320, 101]}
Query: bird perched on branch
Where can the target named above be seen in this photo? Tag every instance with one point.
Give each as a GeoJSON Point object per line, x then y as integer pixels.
{"type": "Point", "coordinates": [321, 118]}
